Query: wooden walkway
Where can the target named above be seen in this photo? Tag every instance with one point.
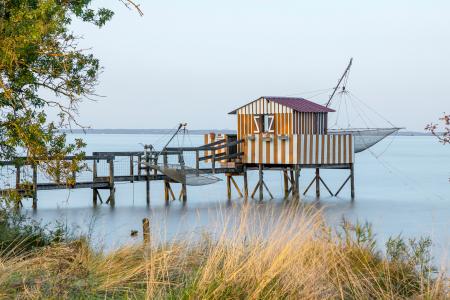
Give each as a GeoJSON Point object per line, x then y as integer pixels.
{"type": "Point", "coordinates": [139, 170]}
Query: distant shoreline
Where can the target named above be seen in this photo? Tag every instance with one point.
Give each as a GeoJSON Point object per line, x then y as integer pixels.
{"type": "Point", "coordinates": [195, 131]}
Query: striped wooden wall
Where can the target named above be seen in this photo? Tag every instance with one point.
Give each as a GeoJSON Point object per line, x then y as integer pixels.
{"type": "Point", "coordinates": [309, 123]}
{"type": "Point", "coordinates": [286, 120]}
{"type": "Point", "coordinates": [299, 149]}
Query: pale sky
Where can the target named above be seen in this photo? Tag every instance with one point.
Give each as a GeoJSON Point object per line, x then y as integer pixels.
{"type": "Point", "coordinates": [194, 61]}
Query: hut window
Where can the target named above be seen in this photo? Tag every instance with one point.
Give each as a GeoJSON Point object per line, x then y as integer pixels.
{"type": "Point", "coordinates": [258, 124]}
{"type": "Point", "coordinates": [268, 123]}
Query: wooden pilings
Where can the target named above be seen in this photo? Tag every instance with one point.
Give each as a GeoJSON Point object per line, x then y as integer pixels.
{"type": "Point", "coordinates": [317, 182]}
{"type": "Point", "coordinates": [34, 186]}
{"type": "Point", "coordinates": [112, 188]}
{"type": "Point", "coordinates": [352, 182]}
{"type": "Point", "coordinates": [94, 179]}
{"type": "Point", "coordinates": [261, 180]}
{"type": "Point", "coordinates": [296, 183]}
{"type": "Point", "coordinates": [350, 178]}
{"type": "Point", "coordinates": [17, 177]}
{"type": "Point", "coordinates": [245, 183]}
{"type": "Point", "coordinates": [147, 176]}
{"type": "Point", "coordinates": [261, 185]}
{"type": "Point", "coordinates": [146, 231]}
{"type": "Point", "coordinates": [286, 183]}
{"type": "Point", "coordinates": [131, 169]}
{"type": "Point", "coordinates": [146, 172]}
{"type": "Point", "coordinates": [230, 180]}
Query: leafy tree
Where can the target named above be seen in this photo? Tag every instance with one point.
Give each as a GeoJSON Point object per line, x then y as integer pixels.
{"type": "Point", "coordinates": [42, 67]}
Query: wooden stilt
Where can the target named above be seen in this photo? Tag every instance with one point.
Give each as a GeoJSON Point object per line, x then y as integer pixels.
{"type": "Point", "coordinates": [245, 184]}
{"type": "Point", "coordinates": [99, 196]}
{"type": "Point", "coordinates": [171, 191]}
{"type": "Point", "coordinates": [236, 186]}
{"type": "Point", "coordinates": [112, 188]}
{"type": "Point", "coordinates": [17, 177]}
{"type": "Point", "coordinates": [184, 190]}
{"type": "Point", "coordinates": [94, 179]}
{"type": "Point", "coordinates": [267, 189]}
{"type": "Point", "coordinates": [166, 192]}
{"type": "Point", "coordinates": [139, 167]}
{"type": "Point", "coordinates": [228, 186]}
{"type": "Point", "coordinates": [34, 186]}
{"type": "Point", "coordinates": [19, 203]}
{"type": "Point", "coordinates": [256, 188]}
{"type": "Point", "coordinates": [261, 181]}
{"type": "Point", "coordinates": [352, 181]}
{"type": "Point", "coordinates": [317, 182]}
{"type": "Point", "coordinates": [131, 168]}
{"type": "Point", "coordinates": [326, 186]}
{"type": "Point", "coordinates": [147, 177]}
{"type": "Point", "coordinates": [197, 162]}
{"type": "Point", "coordinates": [307, 189]}
{"type": "Point", "coordinates": [183, 185]}
{"type": "Point", "coordinates": [297, 183]}
{"type": "Point", "coordinates": [342, 186]}
{"type": "Point", "coordinates": [146, 231]}
{"type": "Point", "coordinates": [286, 183]}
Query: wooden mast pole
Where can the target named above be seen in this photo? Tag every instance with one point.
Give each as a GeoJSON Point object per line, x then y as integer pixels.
{"type": "Point", "coordinates": [339, 82]}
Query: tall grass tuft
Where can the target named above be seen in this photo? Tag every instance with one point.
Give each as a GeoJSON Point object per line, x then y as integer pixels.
{"type": "Point", "coordinates": [288, 255]}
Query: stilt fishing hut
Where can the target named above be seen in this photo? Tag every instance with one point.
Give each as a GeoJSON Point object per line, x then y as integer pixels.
{"type": "Point", "coordinates": [289, 134]}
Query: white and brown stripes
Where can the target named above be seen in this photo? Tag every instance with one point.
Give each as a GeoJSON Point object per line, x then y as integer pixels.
{"type": "Point", "coordinates": [286, 120]}
{"type": "Point", "coordinates": [299, 149]}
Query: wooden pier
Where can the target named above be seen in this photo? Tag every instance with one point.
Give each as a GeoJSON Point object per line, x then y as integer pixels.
{"type": "Point", "coordinates": [139, 169]}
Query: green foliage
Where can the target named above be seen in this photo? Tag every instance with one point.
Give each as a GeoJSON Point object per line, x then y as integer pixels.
{"type": "Point", "coordinates": [41, 67]}
{"type": "Point", "coordinates": [19, 234]}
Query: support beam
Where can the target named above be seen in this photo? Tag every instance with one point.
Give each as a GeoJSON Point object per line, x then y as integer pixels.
{"type": "Point", "coordinates": [146, 232]}
{"type": "Point", "coordinates": [197, 162]}
{"type": "Point", "coordinates": [326, 186]}
{"type": "Point", "coordinates": [307, 189]}
{"type": "Point", "coordinates": [166, 192]}
{"type": "Point", "coordinates": [297, 183]}
{"type": "Point", "coordinates": [184, 191]}
{"type": "Point", "coordinates": [147, 177]}
{"type": "Point", "coordinates": [261, 181]}
{"type": "Point", "coordinates": [94, 178]}
{"type": "Point", "coordinates": [286, 183]}
{"type": "Point", "coordinates": [17, 177]}
{"type": "Point", "coordinates": [139, 167]}
{"type": "Point", "coordinates": [317, 182]}
{"type": "Point", "coordinates": [131, 169]}
{"type": "Point", "coordinates": [256, 188]}
{"type": "Point", "coordinates": [352, 181]}
{"type": "Point", "coordinates": [112, 188]}
{"type": "Point", "coordinates": [171, 191]}
{"type": "Point", "coordinates": [267, 189]}
{"type": "Point", "coordinates": [34, 186]}
{"type": "Point", "coordinates": [245, 183]}
{"type": "Point", "coordinates": [342, 186]}
{"type": "Point", "coordinates": [228, 186]}
{"type": "Point", "coordinates": [236, 186]}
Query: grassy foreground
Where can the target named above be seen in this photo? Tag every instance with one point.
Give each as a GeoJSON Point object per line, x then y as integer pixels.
{"type": "Point", "coordinates": [289, 256]}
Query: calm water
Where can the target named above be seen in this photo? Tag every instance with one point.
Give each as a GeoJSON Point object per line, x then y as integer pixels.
{"type": "Point", "coordinates": [405, 191]}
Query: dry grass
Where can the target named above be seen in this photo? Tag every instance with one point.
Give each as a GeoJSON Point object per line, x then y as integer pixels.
{"type": "Point", "coordinates": [293, 256]}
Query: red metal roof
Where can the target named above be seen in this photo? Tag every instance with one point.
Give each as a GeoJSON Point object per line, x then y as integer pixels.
{"type": "Point", "coordinates": [299, 104]}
